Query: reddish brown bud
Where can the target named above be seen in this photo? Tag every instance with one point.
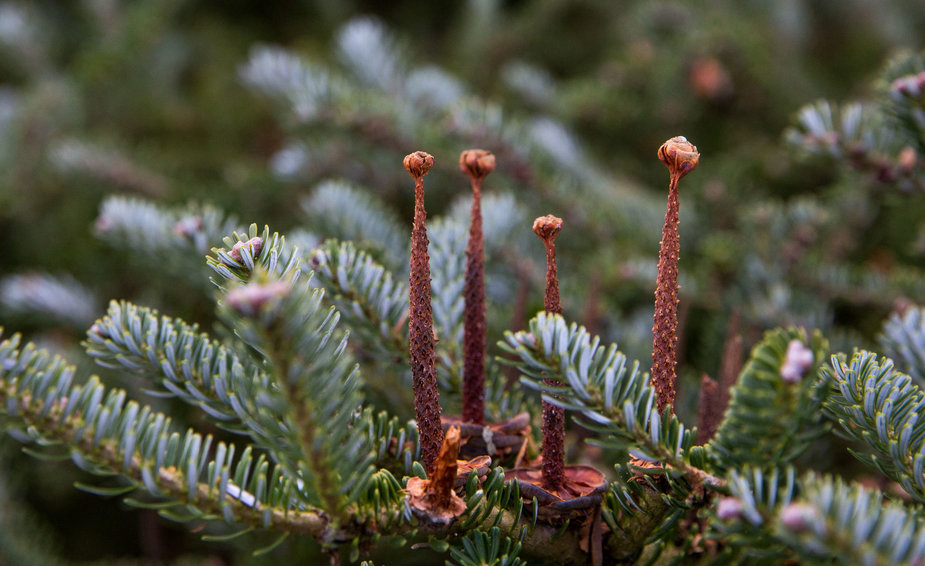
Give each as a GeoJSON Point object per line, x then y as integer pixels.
{"type": "Point", "coordinates": [418, 164]}
{"type": "Point", "coordinates": [547, 228]}
{"type": "Point", "coordinates": [477, 163]}
{"type": "Point", "coordinates": [679, 155]}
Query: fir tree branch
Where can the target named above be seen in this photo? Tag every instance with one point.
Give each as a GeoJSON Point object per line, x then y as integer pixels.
{"type": "Point", "coordinates": [773, 413]}
{"type": "Point", "coordinates": [174, 238]}
{"type": "Point", "coordinates": [816, 518]}
{"type": "Point", "coordinates": [882, 408]}
{"type": "Point", "coordinates": [109, 436]}
{"type": "Point", "coordinates": [903, 339]}
{"type": "Point", "coordinates": [58, 298]}
{"type": "Point", "coordinates": [342, 211]}
{"type": "Point", "coordinates": [367, 296]}
{"type": "Point", "coordinates": [236, 263]}
{"type": "Point", "coordinates": [316, 385]}
{"type": "Point", "coordinates": [448, 269]}
{"type": "Point", "coordinates": [186, 362]}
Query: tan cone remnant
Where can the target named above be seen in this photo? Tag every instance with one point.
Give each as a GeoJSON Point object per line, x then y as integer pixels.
{"type": "Point", "coordinates": [547, 228]}
{"type": "Point", "coordinates": [421, 323]}
{"type": "Point", "coordinates": [681, 157]}
{"type": "Point", "coordinates": [435, 498]}
{"type": "Point", "coordinates": [477, 164]}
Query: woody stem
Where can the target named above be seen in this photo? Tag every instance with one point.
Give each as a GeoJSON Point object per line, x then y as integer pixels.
{"type": "Point", "coordinates": [664, 329]}
{"type": "Point", "coordinates": [474, 323]}
{"type": "Point", "coordinates": [553, 416]}
{"type": "Point", "coordinates": [421, 338]}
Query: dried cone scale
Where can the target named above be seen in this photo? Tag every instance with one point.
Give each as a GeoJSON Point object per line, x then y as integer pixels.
{"type": "Point", "coordinates": [420, 323]}
{"type": "Point", "coordinates": [681, 157]}
{"type": "Point", "coordinates": [477, 164]}
{"type": "Point", "coordinates": [547, 228]}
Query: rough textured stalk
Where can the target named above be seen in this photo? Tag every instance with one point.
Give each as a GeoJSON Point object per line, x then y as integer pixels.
{"type": "Point", "coordinates": [547, 228]}
{"type": "Point", "coordinates": [477, 164]}
{"type": "Point", "coordinates": [714, 397]}
{"type": "Point", "coordinates": [681, 157]}
{"type": "Point", "coordinates": [420, 322]}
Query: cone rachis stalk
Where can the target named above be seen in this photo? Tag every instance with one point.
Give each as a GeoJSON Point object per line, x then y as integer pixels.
{"type": "Point", "coordinates": [547, 228]}
{"type": "Point", "coordinates": [420, 322]}
{"type": "Point", "coordinates": [477, 164]}
{"type": "Point", "coordinates": [681, 157]}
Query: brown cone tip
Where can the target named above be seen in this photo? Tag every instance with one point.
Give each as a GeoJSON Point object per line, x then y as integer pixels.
{"type": "Point", "coordinates": [547, 227]}
{"type": "Point", "coordinates": [477, 163]}
{"type": "Point", "coordinates": [418, 164]}
{"type": "Point", "coordinates": [679, 155]}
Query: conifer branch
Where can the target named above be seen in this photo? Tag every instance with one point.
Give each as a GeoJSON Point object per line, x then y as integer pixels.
{"type": "Point", "coordinates": [110, 436]}
{"type": "Point", "coordinates": [316, 383]}
{"type": "Point", "coordinates": [339, 210]}
{"type": "Point", "coordinates": [369, 298]}
{"type": "Point", "coordinates": [175, 238]}
{"type": "Point", "coordinates": [903, 339]}
{"type": "Point", "coordinates": [882, 408]}
{"type": "Point", "coordinates": [815, 518]}
{"type": "Point", "coordinates": [186, 363]}
{"type": "Point", "coordinates": [774, 411]}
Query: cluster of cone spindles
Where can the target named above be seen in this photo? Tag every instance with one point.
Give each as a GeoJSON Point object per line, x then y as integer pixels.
{"type": "Point", "coordinates": [555, 481]}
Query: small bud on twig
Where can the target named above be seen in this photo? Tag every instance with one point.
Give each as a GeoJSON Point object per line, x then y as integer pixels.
{"type": "Point", "coordinates": [255, 244]}
{"type": "Point", "coordinates": [797, 361]}
{"type": "Point", "coordinates": [477, 164]}
{"type": "Point", "coordinates": [729, 508]}
{"type": "Point", "coordinates": [421, 322]}
{"type": "Point", "coordinates": [249, 299]}
{"type": "Point", "coordinates": [681, 157]}
{"type": "Point", "coordinates": [799, 517]}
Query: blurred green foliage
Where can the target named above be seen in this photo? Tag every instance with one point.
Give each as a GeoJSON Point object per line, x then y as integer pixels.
{"type": "Point", "coordinates": [153, 100]}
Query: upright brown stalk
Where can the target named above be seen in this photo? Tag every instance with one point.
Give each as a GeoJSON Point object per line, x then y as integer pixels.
{"type": "Point", "coordinates": [547, 228]}
{"type": "Point", "coordinates": [421, 323]}
{"type": "Point", "coordinates": [681, 157]}
{"type": "Point", "coordinates": [714, 397]}
{"type": "Point", "coordinates": [477, 164]}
